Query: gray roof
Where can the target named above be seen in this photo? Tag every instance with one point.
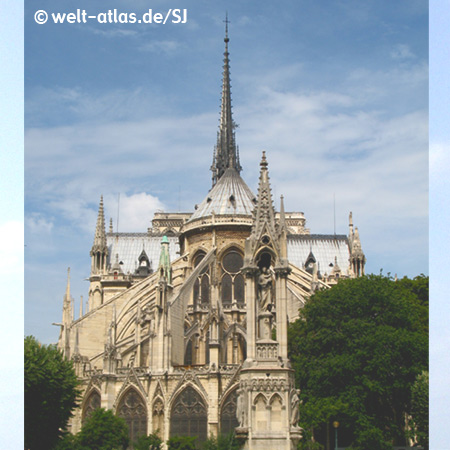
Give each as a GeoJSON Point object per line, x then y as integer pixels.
{"type": "Point", "coordinates": [325, 248]}
{"type": "Point", "coordinates": [130, 245]}
{"type": "Point", "coordinates": [229, 196]}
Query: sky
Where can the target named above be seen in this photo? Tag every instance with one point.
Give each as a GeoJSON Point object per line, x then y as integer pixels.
{"type": "Point", "coordinates": [335, 92]}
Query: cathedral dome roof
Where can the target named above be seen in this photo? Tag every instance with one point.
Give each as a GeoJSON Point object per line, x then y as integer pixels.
{"type": "Point", "coordinates": [229, 196]}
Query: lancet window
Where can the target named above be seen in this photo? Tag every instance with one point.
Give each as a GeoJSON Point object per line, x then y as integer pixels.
{"type": "Point", "coordinates": [232, 281]}
{"type": "Point", "coordinates": [133, 410]}
{"type": "Point", "coordinates": [92, 403]}
{"type": "Point", "coordinates": [228, 419]}
{"type": "Point", "coordinates": [189, 415]}
{"type": "Point", "coordinates": [201, 285]}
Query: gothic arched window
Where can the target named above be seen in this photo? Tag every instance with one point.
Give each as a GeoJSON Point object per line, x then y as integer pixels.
{"type": "Point", "coordinates": [188, 416]}
{"type": "Point", "coordinates": [133, 410]}
{"type": "Point", "coordinates": [92, 403]}
{"type": "Point", "coordinates": [232, 282]}
{"type": "Point", "coordinates": [228, 419]}
{"type": "Point", "coordinates": [201, 285]}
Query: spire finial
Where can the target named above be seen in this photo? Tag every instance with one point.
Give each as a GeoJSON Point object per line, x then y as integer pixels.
{"type": "Point", "coordinates": [226, 40]}
{"type": "Point", "coordinates": [263, 162]}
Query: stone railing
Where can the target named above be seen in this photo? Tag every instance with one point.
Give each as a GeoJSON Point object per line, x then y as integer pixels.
{"type": "Point", "coordinates": [218, 220]}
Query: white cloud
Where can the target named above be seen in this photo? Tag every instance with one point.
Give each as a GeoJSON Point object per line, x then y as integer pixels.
{"type": "Point", "coordinates": [401, 52]}
{"type": "Point", "coordinates": [135, 211]}
{"type": "Point", "coordinates": [37, 223]}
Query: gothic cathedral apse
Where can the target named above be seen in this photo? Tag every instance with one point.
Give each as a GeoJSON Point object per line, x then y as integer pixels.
{"type": "Point", "coordinates": [186, 327]}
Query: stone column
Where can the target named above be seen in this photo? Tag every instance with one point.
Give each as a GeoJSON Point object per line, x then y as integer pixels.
{"type": "Point", "coordinates": [250, 273]}
{"type": "Point", "coordinates": [281, 308]}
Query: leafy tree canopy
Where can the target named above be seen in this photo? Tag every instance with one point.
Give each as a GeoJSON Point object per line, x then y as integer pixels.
{"type": "Point", "coordinates": [181, 443]}
{"type": "Point", "coordinates": [104, 431]}
{"type": "Point", "coordinates": [420, 409]}
{"type": "Point", "coordinates": [356, 350]}
{"type": "Point", "coordinates": [150, 442]}
{"type": "Point", "coordinates": [50, 394]}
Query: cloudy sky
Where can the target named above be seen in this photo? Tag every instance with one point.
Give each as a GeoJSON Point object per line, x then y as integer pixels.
{"type": "Point", "coordinates": [336, 92]}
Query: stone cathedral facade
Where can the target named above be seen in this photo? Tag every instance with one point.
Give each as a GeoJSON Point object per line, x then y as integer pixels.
{"type": "Point", "coordinates": [185, 332]}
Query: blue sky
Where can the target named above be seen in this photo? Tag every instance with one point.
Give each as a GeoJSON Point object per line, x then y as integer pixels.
{"type": "Point", "coordinates": [336, 92]}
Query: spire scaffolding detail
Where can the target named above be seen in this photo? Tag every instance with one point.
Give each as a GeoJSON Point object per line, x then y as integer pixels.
{"type": "Point", "coordinates": [225, 152]}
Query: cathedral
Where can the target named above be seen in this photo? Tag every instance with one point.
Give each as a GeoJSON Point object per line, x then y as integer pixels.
{"type": "Point", "coordinates": [185, 329]}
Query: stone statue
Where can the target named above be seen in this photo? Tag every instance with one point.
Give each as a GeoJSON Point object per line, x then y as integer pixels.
{"type": "Point", "coordinates": [240, 408]}
{"type": "Point", "coordinates": [265, 290]}
{"type": "Point", "coordinates": [295, 413]}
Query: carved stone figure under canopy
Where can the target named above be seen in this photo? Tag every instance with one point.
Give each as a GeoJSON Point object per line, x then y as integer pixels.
{"type": "Point", "coordinates": [265, 290]}
{"type": "Point", "coordinates": [295, 412]}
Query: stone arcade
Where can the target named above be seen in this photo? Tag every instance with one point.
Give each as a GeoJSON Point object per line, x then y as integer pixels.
{"type": "Point", "coordinates": [186, 327]}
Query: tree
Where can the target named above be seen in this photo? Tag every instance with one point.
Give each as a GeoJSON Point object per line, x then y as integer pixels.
{"type": "Point", "coordinates": [419, 408]}
{"type": "Point", "coordinates": [150, 442]}
{"type": "Point", "coordinates": [182, 443]}
{"type": "Point", "coordinates": [104, 431]}
{"type": "Point", "coordinates": [51, 392]}
{"type": "Point", "coordinates": [356, 350]}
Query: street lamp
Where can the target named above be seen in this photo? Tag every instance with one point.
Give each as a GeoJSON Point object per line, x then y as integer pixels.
{"type": "Point", "coordinates": [335, 425]}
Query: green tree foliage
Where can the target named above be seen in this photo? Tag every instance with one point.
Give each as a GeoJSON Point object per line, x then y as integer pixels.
{"type": "Point", "coordinates": [182, 443]}
{"type": "Point", "coordinates": [104, 431]}
{"type": "Point", "coordinates": [419, 408]}
{"type": "Point", "coordinates": [150, 442]}
{"type": "Point", "coordinates": [50, 394]}
{"type": "Point", "coordinates": [356, 350]}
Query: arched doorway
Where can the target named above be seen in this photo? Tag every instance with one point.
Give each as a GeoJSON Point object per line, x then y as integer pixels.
{"type": "Point", "coordinates": [189, 415]}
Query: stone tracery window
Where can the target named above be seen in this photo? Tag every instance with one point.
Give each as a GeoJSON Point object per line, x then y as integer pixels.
{"type": "Point", "coordinates": [92, 403]}
{"type": "Point", "coordinates": [133, 410]}
{"type": "Point", "coordinates": [189, 416]}
{"type": "Point", "coordinates": [232, 282]}
{"type": "Point", "coordinates": [228, 419]}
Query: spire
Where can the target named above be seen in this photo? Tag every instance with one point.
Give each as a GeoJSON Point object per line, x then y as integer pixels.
{"type": "Point", "coordinates": [225, 152]}
{"type": "Point", "coordinates": [67, 296]}
{"type": "Point", "coordinates": [264, 212]}
{"type": "Point", "coordinates": [67, 304]}
{"type": "Point", "coordinates": [282, 215]}
{"type": "Point", "coordinates": [100, 234]}
{"type": "Point", "coordinates": [99, 250]}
